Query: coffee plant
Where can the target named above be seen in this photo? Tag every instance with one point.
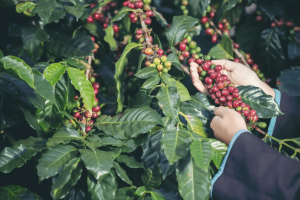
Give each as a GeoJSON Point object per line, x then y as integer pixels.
{"type": "Point", "coordinates": [96, 100]}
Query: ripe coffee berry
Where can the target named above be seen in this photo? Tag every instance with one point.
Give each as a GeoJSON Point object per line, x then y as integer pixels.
{"type": "Point", "coordinates": [149, 13]}
{"type": "Point", "coordinates": [255, 67]}
{"type": "Point", "coordinates": [95, 91]}
{"type": "Point", "coordinates": [252, 112]}
{"type": "Point", "coordinates": [230, 89]}
{"type": "Point", "coordinates": [116, 28]}
{"type": "Point", "coordinates": [213, 96]}
{"type": "Point", "coordinates": [250, 61]}
{"type": "Point", "coordinates": [209, 31]}
{"type": "Point", "coordinates": [105, 26]}
{"type": "Point", "coordinates": [218, 94]}
{"type": "Point", "coordinates": [96, 16]}
{"type": "Point", "coordinates": [94, 115]}
{"type": "Point", "coordinates": [210, 71]}
{"type": "Point", "coordinates": [221, 26]}
{"type": "Point", "coordinates": [218, 68]}
{"type": "Point", "coordinates": [213, 75]}
{"type": "Point", "coordinates": [225, 92]}
{"type": "Point", "coordinates": [243, 105]}
{"type": "Point", "coordinates": [186, 54]}
{"type": "Point", "coordinates": [88, 128]}
{"type": "Point", "coordinates": [133, 15]}
{"type": "Point", "coordinates": [134, 20]}
{"type": "Point", "coordinates": [205, 66]}
{"type": "Point", "coordinates": [221, 85]}
{"type": "Point", "coordinates": [131, 5]}
{"type": "Point", "coordinates": [148, 21]}
{"type": "Point", "coordinates": [229, 98]}
{"type": "Point", "coordinates": [208, 80]}
{"type": "Point", "coordinates": [96, 85]}
{"type": "Point", "coordinates": [246, 113]}
{"type": "Point", "coordinates": [204, 20]}
{"type": "Point", "coordinates": [237, 60]}
{"type": "Point", "coordinates": [199, 61]}
{"type": "Point", "coordinates": [160, 52]}
{"type": "Point", "coordinates": [182, 46]}
{"type": "Point", "coordinates": [235, 95]}
{"type": "Point", "coordinates": [214, 38]}
{"type": "Point", "coordinates": [139, 4]}
{"type": "Point", "coordinates": [90, 19]}
{"type": "Point", "coordinates": [191, 60]}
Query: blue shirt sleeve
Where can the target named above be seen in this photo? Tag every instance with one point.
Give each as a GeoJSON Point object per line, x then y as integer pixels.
{"type": "Point", "coordinates": [220, 172]}
{"type": "Point", "coordinates": [273, 120]}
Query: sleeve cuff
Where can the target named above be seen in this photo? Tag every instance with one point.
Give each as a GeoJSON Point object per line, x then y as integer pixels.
{"type": "Point", "coordinates": [220, 172]}
{"type": "Point", "coordinates": [273, 120]}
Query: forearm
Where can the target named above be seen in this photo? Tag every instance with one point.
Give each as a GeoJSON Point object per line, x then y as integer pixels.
{"type": "Point", "coordinates": [252, 169]}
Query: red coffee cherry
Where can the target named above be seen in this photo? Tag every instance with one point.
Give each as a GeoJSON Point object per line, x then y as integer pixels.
{"type": "Point", "coordinates": [205, 66]}
{"type": "Point", "coordinates": [182, 46]}
{"type": "Point", "coordinates": [220, 26]}
{"type": "Point", "coordinates": [96, 16]}
{"type": "Point", "coordinates": [204, 20]}
{"type": "Point", "coordinates": [229, 98]}
{"type": "Point", "coordinates": [225, 92]}
{"type": "Point", "coordinates": [252, 112]}
{"type": "Point", "coordinates": [191, 60]}
{"type": "Point", "coordinates": [133, 15]}
{"type": "Point", "coordinates": [139, 4]}
{"type": "Point", "coordinates": [236, 104]}
{"type": "Point", "coordinates": [96, 109]}
{"type": "Point", "coordinates": [214, 38]}
{"type": "Point", "coordinates": [237, 60]}
{"type": "Point", "coordinates": [212, 14]}
{"type": "Point", "coordinates": [131, 5]}
{"type": "Point", "coordinates": [246, 113]}
{"type": "Point", "coordinates": [96, 85]}
{"type": "Point", "coordinates": [259, 18]}
{"type": "Point", "coordinates": [160, 52]}
{"type": "Point", "coordinates": [149, 13]}
{"type": "Point", "coordinates": [218, 68]}
{"type": "Point", "coordinates": [116, 28]}
{"type": "Point", "coordinates": [221, 85]}
{"type": "Point", "coordinates": [199, 61]}
{"type": "Point", "coordinates": [186, 54]}
{"type": "Point", "coordinates": [76, 115]}
{"type": "Point", "coordinates": [134, 20]}
{"type": "Point", "coordinates": [90, 19]}
{"type": "Point", "coordinates": [148, 21]}
{"type": "Point", "coordinates": [208, 80]}
{"type": "Point", "coordinates": [88, 128]}
{"type": "Point", "coordinates": [255, 67]}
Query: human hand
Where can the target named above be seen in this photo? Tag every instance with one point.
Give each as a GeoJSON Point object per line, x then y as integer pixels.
{"type": "Point", "coordinates": [238, 73]}
{"type": "Point", "coordinates": [226, 124]}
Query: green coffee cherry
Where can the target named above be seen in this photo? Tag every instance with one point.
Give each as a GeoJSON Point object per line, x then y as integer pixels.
{"type": "Point", "coordinates": [261, 124]}
{"type": "Point", "coordinates": [207, 57]}
{"type": "Point", "coordinates": [198, 49]}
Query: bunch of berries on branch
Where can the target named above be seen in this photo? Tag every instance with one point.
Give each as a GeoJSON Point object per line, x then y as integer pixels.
{"type": "Point", "coordinates": [82, 114]}
{"type": "Point", "coordinates": [223, 92]}
{"type": "Point", "coordinates": [102, 15]}
{"type": "Point", "coordinates": [184, 3]}
{"type": "Point", "coordinates": [187, 48]}
{"type": "Point", "coordinates": [142, 8]}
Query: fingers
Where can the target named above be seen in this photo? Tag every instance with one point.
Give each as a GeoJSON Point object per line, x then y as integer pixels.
{"type": "Point", "coordinates": [227, 65]}
{"type": "Point", "coordinates": [195, 78]}
{"type": "Point", "coordinates": [215, 121]}
{"type": "Point", "coordinates": [221, 111]}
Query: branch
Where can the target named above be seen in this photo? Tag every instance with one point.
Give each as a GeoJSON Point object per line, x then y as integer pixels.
{"type": "Point", "coordinates": [144, 28]}
{"type": "Point", "coordinates": [88, 71]}
{"type": "Point", "coordinates": [237, 53]}
{"type": "Point", "coordinates": [259, 130]}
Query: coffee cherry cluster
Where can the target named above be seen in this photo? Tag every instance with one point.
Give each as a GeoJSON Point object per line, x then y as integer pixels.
{"type": "Point", "coordinates": [80, 112]}
{"type": "Point", "coordinates": [223, 92]}
{"type": "Point", "coordinates": [142, 8]}
{"type": "Point", "coordinates": [96, 45]}
{"type": "Point", "coordinates": [290, 25]}
{"type": "Point", "coordinates": [187, 48]}
{"type": "Point", "coordinates": [140, 37]}
{"type": "Point", "coordinates": [102, 16]}
{"type": "Point", "coordinates": [184, 3]}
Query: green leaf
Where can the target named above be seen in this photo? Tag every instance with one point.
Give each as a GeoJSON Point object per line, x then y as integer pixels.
{"type": "Point", "coordinates": [15, 192]}
{"type": "Point", "coordinates": [32, 142]}
{"type": "Point", "coordinates": [104, 190]}
{"type": "Point", "coordinates": [169, 100]}
{"type": "Point", "coordinates": [201, 153]}
{"type": "Point", "coordinates": [226, 44]}
{"type": "Point", "coordinates": [97, 162]}
{"type": "Point", "coordinates": [183, 92]}
{"type": "Point", "coordinates": [202, 103]}
{"type": "Point", "coordinates": [151, 178]}
{"type": "Point", "coordinates": [62, 184]}
{"type": "Point", "coordinates": [76, 10]}
{"type": "Point", "coordinates": [194, 124]}
{"type": "Point", "coordinates": [1, 54]}
{"type": "Point", "coordinates": [147, 72]}
{"type": "Point", "coordinates": [122, 173]}
{"type": "Point", "coordinates": [54, 72]}
{"type": "Point", "coordinates": [56, 15]}
{"type": "Point", "coordinates": [264, 104]}
{"type": "Point", "coordinates": [160, 19]}
{"type": "Point", "coordinates": [30, 117]}
{"type": "Point", "coordinates": [45, 9]}
{"type": "Point", "coordinates": [177, 71]}
{"type": "Point", "coordinates": [16, 156]}
{"type": "Point", "coordinates": [49, 117]}
{"type": "Point", "coordinates": [102, 3]}
{"type": "Point", "coordinates": [112, 141]}
{"type": "Point", "coordinates": [270, 49]}
{"type": "Point", "coordinates": [225, 5]}
{"type": "Point", "coordinates": [17, 68]}
{"type": "Point", "coordinates": [290, 81]}
{"type": "Point", "coordinates": [24, 6]}
{"type": "Point", "coordinates": [32, 37]}
{"type": "Point", "coordinates": [220, 51]}
{"type": "Point", "coordinates": [246, 36]}
{"type": "Point", "coordinates": [219, 150]}
{"type": "Point", "coordinates": [130, 124]}
{"type": "Point", "coordinates": [124, 194]}
{"type": "Point", "coordinates": [193, 182]}
{"type": "Point", "coordinates": [141, 58]}
{"type": "Point", "coordinates": [129, 161]}
{"type": "Point", "coordinates": [151, 82]}
{"type": "Point", "coordinates": [63, 137]}
{"type": "Point", "coordinates": [272, 9]}
{"type": "Point", "coordinates": [175, 144]}
{"type": "Point", "coordinates": [43, 87]}
{"type": "Point", "coordinates": [233, 15]}
{"type": "Point", "coordinates": [168, 81]}
{"type": "Point", "coordinates": [53, 161]}
{"type": "Point", "coordinates": [156, 196]}
{"type": "Point", "coordinates": [120, 75]}
{"type": "Point", "coordinates": [61, 45]}
{"type": "Point", "coordinates": [156, 39]}
{"type": "Point", "coordinates": [83, 85]}
{"type": "Point", "coordinates": [293, 50]}
{"type": "Point", "coordinates": [169, 124]}
{"type": "Point", "coordinates": [61, 93]}
{"type": "Point", "coordinates": [197, 7]}
{"type": "Point", "coordinates": [109, 38]}
{"type": "Point", "coordinates": [179, 26]}
{"type": "Point", "coordinates": [122, 13]}
{"type": "Point", "coordinates": [140, 191]}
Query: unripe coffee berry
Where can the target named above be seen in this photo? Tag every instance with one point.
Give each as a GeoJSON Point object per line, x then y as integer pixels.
{"type": "Point", "coordinates": [203, 73]}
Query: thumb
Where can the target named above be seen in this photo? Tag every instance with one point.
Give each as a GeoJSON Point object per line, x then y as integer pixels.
{"type": "Point", "coordinates": [221, 111]}
{"type": "Point", "coordinates": [227, 65]}
{"type": "Point", "coordinates": [195, 78]}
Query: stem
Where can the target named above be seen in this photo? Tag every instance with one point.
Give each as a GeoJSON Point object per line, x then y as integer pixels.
{"type": "Point", "coordinates": [88, 71]}
{"type": "Point", "coordinates": [144, 28]}
{"type": "Point", "coordinates": [237, 53]}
